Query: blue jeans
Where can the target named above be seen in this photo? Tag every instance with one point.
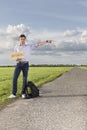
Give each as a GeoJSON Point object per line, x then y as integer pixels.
{"type": "Point", "coordinates": [24, 68]}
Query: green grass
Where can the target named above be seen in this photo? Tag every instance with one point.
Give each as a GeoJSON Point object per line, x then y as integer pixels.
{"type": "Point", "coordinates": [39, 75]}
{"type": "Point", "coordinates": [83, 67]}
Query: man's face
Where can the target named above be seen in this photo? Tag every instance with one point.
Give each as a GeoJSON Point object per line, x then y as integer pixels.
{"type": "Point", "coordinates": [22, 40]}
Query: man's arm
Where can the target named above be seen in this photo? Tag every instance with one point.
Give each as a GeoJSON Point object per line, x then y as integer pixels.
{"type": "Point", "coordinates": [44, 42]}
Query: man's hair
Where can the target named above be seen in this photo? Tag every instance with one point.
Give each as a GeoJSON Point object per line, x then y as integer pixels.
{"type": "Point", "coordinates": [22, 35]}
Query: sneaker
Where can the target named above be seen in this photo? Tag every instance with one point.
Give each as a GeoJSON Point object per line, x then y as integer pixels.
{"type": "Point", "coordinates": [23, 96]}
{"type": "Point", "coordinates": [12, 96]}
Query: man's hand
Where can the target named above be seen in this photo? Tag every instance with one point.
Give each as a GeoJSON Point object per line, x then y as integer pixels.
{"type": "Point", "coordinates": [44, 42]}
{"type": "Point", "coordinates": [49, 41]}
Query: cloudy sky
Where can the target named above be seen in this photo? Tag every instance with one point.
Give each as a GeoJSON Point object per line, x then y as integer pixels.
{"type": "Point", "coordinates": [64, 21]}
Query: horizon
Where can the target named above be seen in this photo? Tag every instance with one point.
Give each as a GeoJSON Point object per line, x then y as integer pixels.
{"type": "Point", "coordinates": [46, 65]}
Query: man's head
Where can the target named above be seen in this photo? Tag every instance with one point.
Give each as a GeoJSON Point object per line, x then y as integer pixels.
{"type": "Point", "coordinates": [22, 39]}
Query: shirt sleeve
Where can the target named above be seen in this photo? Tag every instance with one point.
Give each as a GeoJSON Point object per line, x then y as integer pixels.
{"type": "Point", "coordinates": [34, 43]}
{"type": "Point", "coordinates": [33, 46]}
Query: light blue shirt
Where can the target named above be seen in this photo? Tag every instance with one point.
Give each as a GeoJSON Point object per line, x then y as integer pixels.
{"type": "Point", "coordinates": [26, 49]}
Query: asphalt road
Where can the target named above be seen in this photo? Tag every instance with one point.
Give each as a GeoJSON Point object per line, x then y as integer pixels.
{"type": "Point", "coordinates": [62, 105]}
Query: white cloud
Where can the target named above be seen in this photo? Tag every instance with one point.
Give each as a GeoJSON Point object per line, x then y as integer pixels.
{"type": "Point", "coordinates": [72, 32]}
{"type": "Point", "coordinates": [18, 29]}
{"type": "Point", "coordinates": [66, 43]}
{"type": "Point", "coordinates": [70, 40]}
{"type": "Point", "coordinates": [9, 35]}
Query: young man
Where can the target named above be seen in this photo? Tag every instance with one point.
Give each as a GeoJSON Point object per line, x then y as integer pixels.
{"type": "Point", "coordinates": [23, 64]}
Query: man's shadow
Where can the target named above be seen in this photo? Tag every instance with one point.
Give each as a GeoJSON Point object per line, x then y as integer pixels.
{"type": "Point", "coordinates": [70, 95]}
{"type": "Point", "coordinates": [47, 93]}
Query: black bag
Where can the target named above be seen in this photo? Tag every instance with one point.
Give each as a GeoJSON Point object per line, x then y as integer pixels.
{"type": "Point", "coordinates": [34, 90]}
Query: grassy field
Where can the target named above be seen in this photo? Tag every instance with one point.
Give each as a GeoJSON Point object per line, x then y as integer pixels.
{"type": "Point", "coordinates": [39, 75]}
{"type": "Point", "coordinates": [84, 67]}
